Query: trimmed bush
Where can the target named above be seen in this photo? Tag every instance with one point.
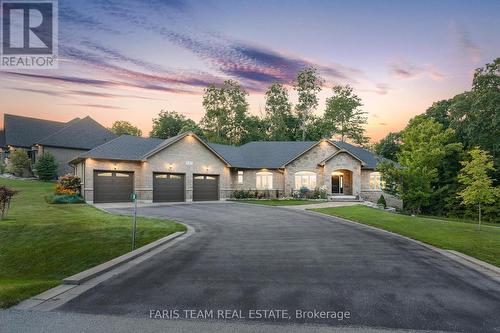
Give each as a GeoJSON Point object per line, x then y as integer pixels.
{"type": "Point", "coordinates": [46, 167]}
{"type": "Point", "coordinates": [68, 185]}
{"type": "Point", "coordinates": [381, 201]}
{"type": "Point", "coordinates": [65, 199]}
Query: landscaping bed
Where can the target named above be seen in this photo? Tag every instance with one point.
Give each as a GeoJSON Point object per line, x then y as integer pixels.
{"type": "Point", "coordinates": [42, 243]}
{"type": "Point", "coordinates": [445, 234]}
{"type": "Point", "coordinates": [280, 202]}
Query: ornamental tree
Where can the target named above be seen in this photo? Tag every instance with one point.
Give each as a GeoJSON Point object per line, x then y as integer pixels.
{"type": "Point", "coordinates": [479, 189]}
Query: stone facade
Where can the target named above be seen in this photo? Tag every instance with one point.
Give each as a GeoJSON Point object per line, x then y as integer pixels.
{"type": "Point", "coordinates": [373, 195]}
{"type": "Point", "coordinates": [187, 156]}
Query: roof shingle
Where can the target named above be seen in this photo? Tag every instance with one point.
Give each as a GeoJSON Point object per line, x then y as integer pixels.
{"type": "Point", "coordinates": [24, 131]}
{"type": "Point", "coordinates": [84, 133]}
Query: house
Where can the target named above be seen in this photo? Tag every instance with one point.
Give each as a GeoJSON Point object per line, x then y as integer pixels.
{"type": "Point", "coordinates": [64, 141]}
{"type": "Point", "coordinates": [186, 168]}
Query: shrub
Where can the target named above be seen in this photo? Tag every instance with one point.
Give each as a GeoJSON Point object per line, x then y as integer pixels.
{"type": "Point", "coordinates": [2, 167]}
{"type": "Point", "coordinates": [65, 199]}
{"type": "Point", "coordinates": [68, 185]}
{"type": "Point", "coordinates": [242, 194]}
{"type": "Point", "coordinates": [381, 201]}
{"type": "Point", "coordinates": [46, 167]}
{"type": "Point", "coordinates": [19, 163]}
{"type": "Point", "coordinates": [6, 195]}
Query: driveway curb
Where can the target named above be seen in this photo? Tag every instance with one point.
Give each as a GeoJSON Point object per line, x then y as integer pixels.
{"type": "Point", "coordinates": [90, 273]}
{"type": "Point", "coordinates": [480, 266]}
{"type": "Point", "coordinates": [77, 284]}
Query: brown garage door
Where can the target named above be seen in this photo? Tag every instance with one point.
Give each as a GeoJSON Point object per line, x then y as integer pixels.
{"type": "Point", "coordinates": [168, 187]}
{"type": "Point", "coordinates": [205, 187]}
{"type": "Point", "coordinates": [113, 186]}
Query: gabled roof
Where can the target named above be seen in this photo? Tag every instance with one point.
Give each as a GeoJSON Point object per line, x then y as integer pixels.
{"type": "Point", "coordinates": [341, 151]}
{"type": "Point", "coordinates": [25, 131]}
{"type": "Point", "coordinates": [125, 147]}
{"type": "Point", "coordinates": [135, 148]}
{"type": "Point", "coordinates": [262, 154]}
{"type": "Point", "coordinates": [83, 133]}
{"type": "Point", "coordinates": [369, 159]}
{"type": "Point", "coordinates": [252, 155]}
{"type": "Point", "coordinates": [172, 140]}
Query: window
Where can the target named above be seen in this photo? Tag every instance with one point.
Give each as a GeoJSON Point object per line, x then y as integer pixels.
{"type": "Point", "coordinates": [126, 175]}
{"type": "Point", "coordinates": [305, 179]}
{"type": "Point", "coordinates": [375, 181]}
{"type": "Point", "coordinates": [104, 174]}
{"type": "Point", "coordinates": [264, 180]}
{"type": "Point", "coordinates": [240, 177]}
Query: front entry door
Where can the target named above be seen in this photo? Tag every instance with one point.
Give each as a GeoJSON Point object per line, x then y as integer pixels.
{"type": "Point", "coordinates": [337, 184]}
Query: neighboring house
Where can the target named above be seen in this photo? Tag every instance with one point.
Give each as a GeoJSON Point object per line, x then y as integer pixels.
{"type": "Point", "coordinates": [185, 168]}
{"type": "Point", "coordinates": [64, 141]}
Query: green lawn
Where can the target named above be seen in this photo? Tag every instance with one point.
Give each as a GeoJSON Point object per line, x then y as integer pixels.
{"type": "Point", "coordinates": [445, 234]}
{"type": "Point", "coordinates": [276, 202]}
{"type": "Point", "coordinates": [40, 243]}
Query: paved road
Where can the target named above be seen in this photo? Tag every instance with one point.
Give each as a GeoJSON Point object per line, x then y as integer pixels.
{"type": "Point", "coordinates": [247, 257]}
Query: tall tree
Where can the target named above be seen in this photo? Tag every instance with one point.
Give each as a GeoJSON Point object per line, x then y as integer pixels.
{"type": "Point", "coordinates": [474, 176]}
{"type": "Point", "coordinates": [170, 123]}
{"type": "Point", "coordinates": [475, 114]}
{"type": "Point", "coordinates": [343, 115]}
{"type": "Point", "coordinates": [279, 118]}
{"type": "Point", "coordinates": [424, 144]}
{"type": "Point", "coordinates": [121, 127]}
{"type": "Point", "coordinates": [226, 112]}
{"type": "Point", "coordinates": [308, 85]}
{"type": "Point", "coordinates": [255, 129]}
{"type": "Point", "coordinates": [389, 146]}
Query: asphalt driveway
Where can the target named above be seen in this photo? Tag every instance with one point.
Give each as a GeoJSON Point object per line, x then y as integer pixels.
{"type": "Point", "coordinates": [248, 257]}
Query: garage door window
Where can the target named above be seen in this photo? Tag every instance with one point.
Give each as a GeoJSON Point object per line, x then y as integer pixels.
{"type": "Point", "coordinates": [175, 177]}
{"type": "Point", "coordinates": [124, 175]}
{"type": "Point", "coordinates": [104, 174]}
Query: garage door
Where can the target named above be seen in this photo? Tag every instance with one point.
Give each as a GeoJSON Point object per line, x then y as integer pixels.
{"type": "Point", "coordinates": [113, 186]}
{"type": "Point", "coordinates": [168, 187]}
{"type": "Point", "coordinates": [205, 187]}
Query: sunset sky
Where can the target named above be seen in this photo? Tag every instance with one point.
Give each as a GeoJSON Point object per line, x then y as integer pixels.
{"type": "Point", "coordinates": [127, 60]}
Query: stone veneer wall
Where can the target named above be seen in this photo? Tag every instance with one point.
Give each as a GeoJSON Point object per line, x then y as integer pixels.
{"type": "Point", "coordinates": [373, 195]}
{"type": "Point", "coordinates": [187, 156]}
{"type": "Point", "coordinates": [309, 162]}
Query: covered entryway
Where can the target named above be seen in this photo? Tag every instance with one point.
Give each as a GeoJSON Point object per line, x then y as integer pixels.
{"type": "Point", "coordinates": [168, 187]}
{"type": "Point", "coordinates": [205, 187]}
{"type": "Point", "coordinates": [342, 182]}
{"type": "Point", "coordinates": [113, 186]}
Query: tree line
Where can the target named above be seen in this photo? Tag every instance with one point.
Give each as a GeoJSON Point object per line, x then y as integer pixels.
{"type": "Point", "coordinates": [227, 119]}
{"type": "Point", "coordinates": [449, 157]}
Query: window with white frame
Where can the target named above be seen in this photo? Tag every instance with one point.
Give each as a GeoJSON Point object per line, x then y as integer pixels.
{"type": "Point", "coordinates": [264, 180]}
{"type": "Point", "coordinates": [240, 177]}
{"type": "Point", "coordinates": [375, 181]}
{"type": "Point", "coordinates": [305, 179]}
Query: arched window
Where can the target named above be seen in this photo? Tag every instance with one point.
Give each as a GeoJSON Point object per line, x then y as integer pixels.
{"type": "Point", "coordinates": [375, 181]}
{"type": "Point", "coordinates": [264, 180]}
{"type": "Point", "coordinates": [305, 179]}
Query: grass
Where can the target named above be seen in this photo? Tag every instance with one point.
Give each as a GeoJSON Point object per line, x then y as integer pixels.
{"type": "Point", "coordinates": [41, 243]}
{"type": "Point", "coordinates": [445, 234]}
{"type": "Point", "coordinates": [277, 202]}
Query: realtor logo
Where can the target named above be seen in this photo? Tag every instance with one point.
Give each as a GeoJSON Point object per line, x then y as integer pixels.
{"type": "Point", "coordinates": [28, 34]}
